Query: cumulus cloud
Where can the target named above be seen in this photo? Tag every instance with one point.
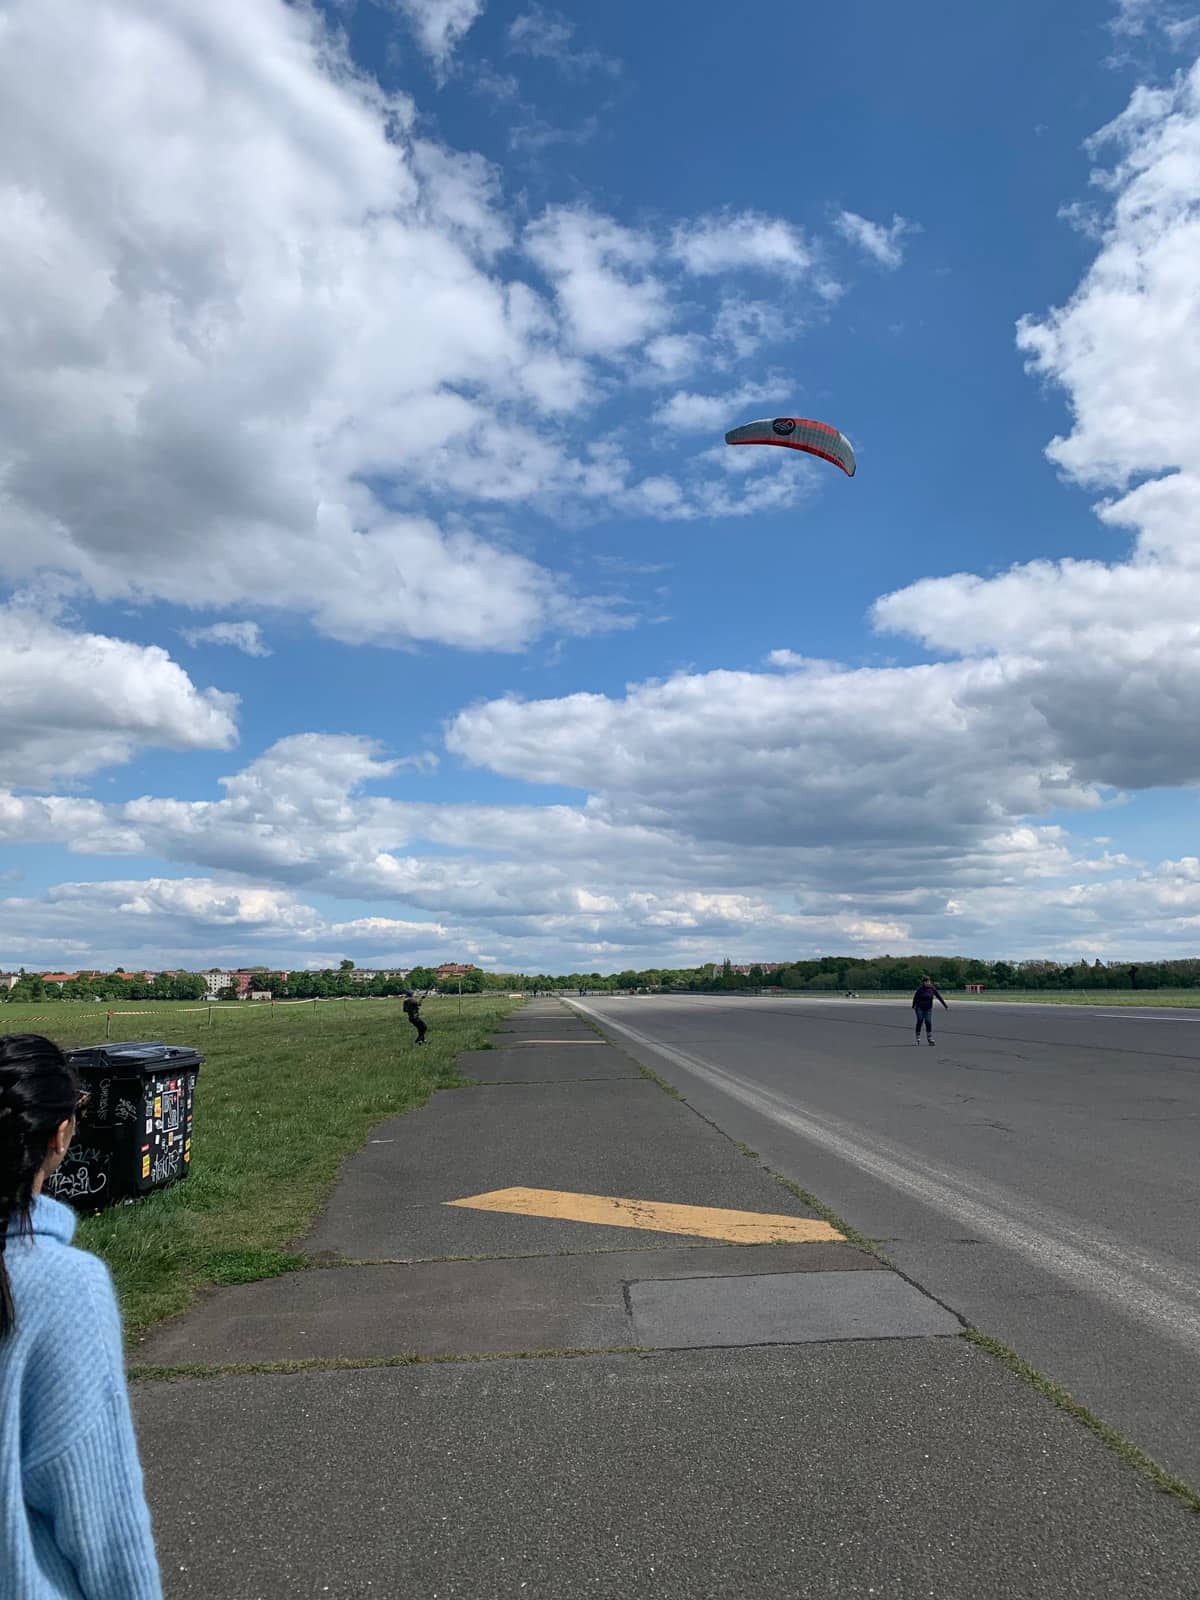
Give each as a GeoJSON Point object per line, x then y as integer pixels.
{"type": "Point", "coordinates": [790, 807]}
{"type": "Point", "coordinates": [72, 702]}
{"type": "Point", "coordinates": [536, 885]}
{"type": "Point", "coordinates": [684, 410]}
{"type": "Point", "coordinates": [244, 636]}
{"type": "Point", "coordinates": [1126, 346]}
{"type": "Point", "coordinates": [883, 242]}
{"type": "Point", "coordinates": [739, 241]}
{"type": "Point", "coordinates": [600, 272]}
{"type": "Point", "coordinates": [200, 381]}
{"type": "Point", "coordinates": [292, 349]}
{"type": "Point", "coordinates": [1068, 681]}
{"type": "Point", "coordinates": [440, 25]}
{"type": "Point", "coordinates": [165, 921]}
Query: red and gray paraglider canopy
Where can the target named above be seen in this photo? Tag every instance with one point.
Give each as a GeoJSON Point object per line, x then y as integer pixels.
{"type": "Point", "coordinates": [799, 433]}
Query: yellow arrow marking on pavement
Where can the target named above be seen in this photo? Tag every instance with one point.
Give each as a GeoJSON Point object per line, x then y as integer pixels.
{"type": "Point", "coordinates": [705, 1222]}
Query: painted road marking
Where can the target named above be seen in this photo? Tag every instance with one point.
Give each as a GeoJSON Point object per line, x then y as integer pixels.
{"type": "Point", "coordinates": [521, 1043]}
{"type": "Point", "coordinates": [1160, 1292]}
{"type": "Point", "coordinates": [705, 1222]}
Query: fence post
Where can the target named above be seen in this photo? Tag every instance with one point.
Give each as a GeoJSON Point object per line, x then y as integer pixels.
{"type": "Point", "coordinates": [210, 1016]}
{"type": "Point", "coordinates": [108, 1026]}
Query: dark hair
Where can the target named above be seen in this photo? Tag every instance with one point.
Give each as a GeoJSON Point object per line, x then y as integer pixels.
{"type": "Point", "coordinates": [39, 1090]}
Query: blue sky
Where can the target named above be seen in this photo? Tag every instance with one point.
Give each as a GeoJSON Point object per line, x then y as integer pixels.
{"type": "Point", "coordinates": [377, 580]}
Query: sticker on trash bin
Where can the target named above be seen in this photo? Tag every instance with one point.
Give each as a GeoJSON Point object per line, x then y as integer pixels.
{"type": "Point", "coordinates": [146, 1165]}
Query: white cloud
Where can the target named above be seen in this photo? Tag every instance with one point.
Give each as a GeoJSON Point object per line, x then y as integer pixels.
{"type": "Point", "coordinates": [197, 385]}
{"type": "Point", "coordinates": [685, 411]}
{"type": "Point", "coordinates": [790, 807]}
{"type": "Point", "coordinates": [72, 702]}
{"type": "Point", "coordinates": [546, 35]}
{"type": "Point", "coordinates": [744, 326]}
{"type": "Point", "coordinates": [672, 356]}
{"type": "Point", "coordinates": [533, 134]}
{"type": "Point", "coordinates": [1126, 347]}
{"type": "Point", "coordinates": [1134, 19]}
{"type": "Point", "coordinates": [739, 241]}
{"type": "Point", "coordinates": [165, 921]}
{"type": "Point", "coordinates": [440, 25]}
{"type": "Point", "coordinates": [244, 636]}
{"type": "Point", "coordinates": [599, 270]}
{"type": "Point", "coordinates": [538, 885]}
{"type": "Point", "coordinates": [883, 242]}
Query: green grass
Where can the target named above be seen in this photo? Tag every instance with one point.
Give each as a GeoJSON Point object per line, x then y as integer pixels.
{"type": "Point", "coordinates": [280, 1103]}
{"type": "Point", "coordinates": [1089, 997]}
{"type": "Point", "coordinates": [249, 1369]}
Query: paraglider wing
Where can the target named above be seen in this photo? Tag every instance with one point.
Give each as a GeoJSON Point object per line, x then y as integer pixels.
{"type": "Point", "coordinates": [799, 433]}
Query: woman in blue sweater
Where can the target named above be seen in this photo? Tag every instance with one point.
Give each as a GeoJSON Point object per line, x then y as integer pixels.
{"type": "Point", "coordinates": [73, 1516]}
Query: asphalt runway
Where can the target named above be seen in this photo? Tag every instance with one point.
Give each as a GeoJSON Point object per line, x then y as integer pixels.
{"type": "Point", "coordinates": [1037, 1170]}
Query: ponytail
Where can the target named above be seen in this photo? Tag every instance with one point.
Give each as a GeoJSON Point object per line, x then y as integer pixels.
{"type": "Point", "coordinates": [39, 1091]}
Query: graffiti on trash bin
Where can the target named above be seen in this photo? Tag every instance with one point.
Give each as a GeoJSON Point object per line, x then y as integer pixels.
{"type": "Point", "coordinates": [103, 1089]}
{"type": "Point", "coordinates": [126, 1111]}
{"type": "Point", "coordinates": [83, 1173]}
{"type": "Point", "coordinates": [166, 1166]}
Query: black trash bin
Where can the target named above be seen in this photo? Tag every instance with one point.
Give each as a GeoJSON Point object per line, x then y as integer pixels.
{"type": "Point", "coordinates": [135, 1132]}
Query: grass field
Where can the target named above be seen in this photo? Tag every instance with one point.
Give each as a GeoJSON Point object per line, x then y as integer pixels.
{"type": "Point", "coordinates": [281, 1100]}
{"type": "Point", "coordinates": [1092, 997]}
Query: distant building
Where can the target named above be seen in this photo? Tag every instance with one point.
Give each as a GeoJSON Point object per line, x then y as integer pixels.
{"type": "Point", "coordinates": [216, 979]}
{"type": "Point", "coordinates": [454, 969]}
{"type": "Point", "coordinates": [9, 980]}
{"type": "Point", "coordinates": [59, 977]}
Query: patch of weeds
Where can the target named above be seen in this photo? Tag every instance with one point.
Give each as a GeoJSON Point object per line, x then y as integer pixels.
{"type": "Point", "coordinates": [252, 1369]}
{"type": "Point", "coordinates": [649, 1072]}
{"type": "Point", "coordinates": [249, 1265]}
{"type": "Point", "coordinates": [1136, 1457]}
{"type": "Point", "coordinates": [850, 1233]}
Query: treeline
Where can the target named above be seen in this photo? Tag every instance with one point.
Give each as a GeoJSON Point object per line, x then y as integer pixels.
{"type": "Point", "coordinates": [110, 986]}
{"type": "Point", "coordinates": [834, 974]}
{"type": "Point", "coordinates": [334, 982]}
{"type": "Point", "coordinates": [824, 974]}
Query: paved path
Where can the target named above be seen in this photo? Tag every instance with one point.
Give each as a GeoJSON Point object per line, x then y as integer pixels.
{"type": "Point", "coordinates": [1038, 1169]}
{"type": "Point", "coordinates": [782, 1420]}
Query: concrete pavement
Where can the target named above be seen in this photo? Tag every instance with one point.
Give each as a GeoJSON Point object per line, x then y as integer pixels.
{"type": "Point", "coordinates": [1038, 1169]}
{"type": "Point", "coordinates": [784, 1420]}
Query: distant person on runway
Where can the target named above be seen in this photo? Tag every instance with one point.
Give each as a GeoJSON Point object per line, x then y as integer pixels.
{"type": "Point", "coordinates": [922, 1004]}
{"type": "Point", "coordinates": [412, 1010]}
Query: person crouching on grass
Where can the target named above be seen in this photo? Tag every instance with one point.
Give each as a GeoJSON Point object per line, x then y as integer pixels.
{"type": "Point", "coordinates": [412, 1010]}
{"type": "Point", "coordinates": [74, 1524]}
{"type": "Point", "coordinates": [922, 1004]}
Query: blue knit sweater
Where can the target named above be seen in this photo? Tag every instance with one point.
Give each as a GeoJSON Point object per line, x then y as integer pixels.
{"type": "Point", "coordinates": [73, 1516]}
